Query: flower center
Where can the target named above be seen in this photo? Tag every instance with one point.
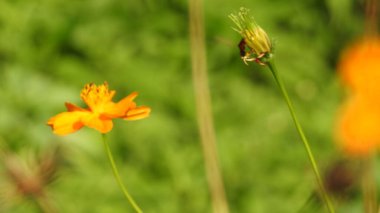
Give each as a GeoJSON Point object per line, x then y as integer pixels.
{"type": "Point", "coordinates": [96, 97]}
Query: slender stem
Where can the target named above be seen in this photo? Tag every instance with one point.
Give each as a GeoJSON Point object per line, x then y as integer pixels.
{"type": "Point", "coordinates": [369, 184]}
{"type": "Point", "coordinates": [371, 14]}
{"type": "Point", "coordinates": [117, 176]}
{"type": "Point", "coordinates": [303, 137]}
{"type": "Point", "coordinates": [45, 204]}
{"type": "Point", "coordinates": [203, 102]}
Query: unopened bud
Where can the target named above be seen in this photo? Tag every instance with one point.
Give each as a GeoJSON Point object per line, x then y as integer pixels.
{"type": "Point", "coordinates": [255, 45]}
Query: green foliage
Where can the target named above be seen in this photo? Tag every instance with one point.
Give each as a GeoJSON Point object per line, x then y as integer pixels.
{"type": "Point", "coordinates": [50, 48]}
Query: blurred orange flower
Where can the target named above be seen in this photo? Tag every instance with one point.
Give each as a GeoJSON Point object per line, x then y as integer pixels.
{"type": "Point", "coordinates": [360, 68]}
{"type": "Point", "coordinates": [358, 127]}
{"type": "Point", "coordinates": [100, 112]}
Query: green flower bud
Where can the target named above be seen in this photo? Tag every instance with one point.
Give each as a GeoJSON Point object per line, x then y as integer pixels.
{"type": "Point", "coordinates": [255, 39]}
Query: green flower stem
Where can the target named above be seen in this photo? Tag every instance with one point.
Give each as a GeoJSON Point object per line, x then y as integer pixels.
{"type": "Point", "coordinates": [303, 137]}
{"type": "Point", "coordinates": [369, 183]}
{"type": "Point", "coordinates": [117, 176]}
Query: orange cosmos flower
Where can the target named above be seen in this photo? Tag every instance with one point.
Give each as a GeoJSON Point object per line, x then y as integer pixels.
{"type": "Point", "coordinates": [360, 67]}
{"type": "Point", "coordinates": [100, 112]}
{"type": "Point", "coordinates": [358, 127]}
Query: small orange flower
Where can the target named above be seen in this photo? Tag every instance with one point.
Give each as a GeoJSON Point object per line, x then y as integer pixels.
{"type": "Point", "coordinates": [358, 128]}
{"type": "Point", "coordinates": [100, 112]}
{"type": "Point", "coordinates": [360, 67]}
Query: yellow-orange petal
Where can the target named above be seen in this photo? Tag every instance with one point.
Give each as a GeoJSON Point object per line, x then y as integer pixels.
{"type": "Point", "coordinates": [358, 128]}
{"type": "Point", "coordinates": [138, 113]}
{"type": "Point", "coordinates": [72, 107]}
{"type": "Point", "coordinates": [66, 122]}
{"type": "Point", "coordinates": [119, 109]}
{"type": "Point", "coordinates": [94, 121]}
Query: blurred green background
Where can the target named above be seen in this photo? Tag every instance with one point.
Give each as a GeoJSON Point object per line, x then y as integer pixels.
{"type": "Point", "coordinates": [49, 49]}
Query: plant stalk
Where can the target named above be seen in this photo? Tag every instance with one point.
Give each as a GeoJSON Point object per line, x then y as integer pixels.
{"type": "Point", "coordinates": [322, 189]}
{"type": "Point", "coordinates": [203, 107]}
{"type": "Point", "coordinates": [369, 184]}
{"type": "Point", "coordinates": [117, 176]}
